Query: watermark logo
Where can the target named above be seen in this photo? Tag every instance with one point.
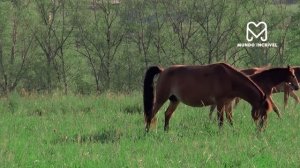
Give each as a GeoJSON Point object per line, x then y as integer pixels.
{"type": "Point", "coordinates": [257, 31]}
{"type": "Point", "coordinates": [263, 34]}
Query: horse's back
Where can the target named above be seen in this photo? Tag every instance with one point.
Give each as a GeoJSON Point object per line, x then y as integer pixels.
{"type": "Point", "coordinates": [194, 75]}
{"type": "Point", "coordinates": [251, 71]}
{"type": "Point", "coordinates": [196, 85]}
{"type": "Point", "coordinates": [195, 69]}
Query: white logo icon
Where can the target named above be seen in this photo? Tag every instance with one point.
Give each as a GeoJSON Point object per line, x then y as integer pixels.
{"type": "Point", "coordinates": [264, 31]}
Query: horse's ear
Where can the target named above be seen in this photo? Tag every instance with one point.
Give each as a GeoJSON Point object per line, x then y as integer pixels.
{"type": "Point", "coordinates": [289, 67]}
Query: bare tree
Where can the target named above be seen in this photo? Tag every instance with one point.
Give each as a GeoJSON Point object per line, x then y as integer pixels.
{"type": "Point", "coordinates": [181, 17]}
{"type": "Point", "coordinates": [278, 21]}
{"type": "Point", "coordinates": [52, 35]}
{"type": "Point", "coordinates": [100, 39]}
{"type": "Point", "coordinates": [217, 20]}
{"type": "Point", "coordinates": [139, 21]}
{"type": "Point", "coordinates": [159, 25]}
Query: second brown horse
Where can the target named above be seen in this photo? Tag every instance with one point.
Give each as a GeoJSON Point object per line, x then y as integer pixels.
{"type": "Point", "coordinates": [267, 80]}
{"type": "Point", "coordinates": [287, 90]}
{"type": "Point", "coordinates": [199, 86]}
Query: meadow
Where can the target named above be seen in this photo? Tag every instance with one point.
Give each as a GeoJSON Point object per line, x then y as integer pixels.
{"type": "Point", "coordinates": [108, 131]}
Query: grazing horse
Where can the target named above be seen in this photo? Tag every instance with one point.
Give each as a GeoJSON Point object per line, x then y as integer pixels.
{"type": "Point", "coordinates": [249, 71]}
{"type": "Point", "coordinates": [199, 86]}
{"type": "Point", "coordinates": [266, 80]}
{"type": "Point", "coordinates": [287, 90]}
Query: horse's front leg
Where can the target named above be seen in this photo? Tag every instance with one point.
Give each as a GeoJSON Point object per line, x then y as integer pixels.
{"type": "Point", "coordinates": [286, 95]}
{"type": "Point", "coordinates": [228, 111]}
{"type": "Point", "coordinates": [255, 115]}
{"type": "Point", "coordinates": [275, 108]}
{"type": "Point", "coordinates": [260, 118]}
{"type": "Point", "coordinates": [295, 97]}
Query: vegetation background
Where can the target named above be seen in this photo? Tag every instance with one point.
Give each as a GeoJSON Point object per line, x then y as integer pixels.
{"type": "Point", "coordinates": [71, 74]}
{"type": "Point", "coordinates": [94, 46]}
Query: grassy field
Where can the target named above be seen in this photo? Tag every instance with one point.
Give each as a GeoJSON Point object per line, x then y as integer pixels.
{"type": "Point", "coordinates": [108, 131]}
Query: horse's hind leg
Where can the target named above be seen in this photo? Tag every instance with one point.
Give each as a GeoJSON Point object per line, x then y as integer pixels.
{"type": "Point", "coordinates": [161, 98]}
{"type": "Point", "coordinates": [172, 107]}
{"type": "Point", "coordinates": [157, 106]}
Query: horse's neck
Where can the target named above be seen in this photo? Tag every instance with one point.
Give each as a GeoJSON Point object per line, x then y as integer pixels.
{"type": "Point", "coordinates": [251, 97]}
{"type": "Point", "coordinates": [244, 87]}
{"type": "Point", "coordinates": [249, 92]}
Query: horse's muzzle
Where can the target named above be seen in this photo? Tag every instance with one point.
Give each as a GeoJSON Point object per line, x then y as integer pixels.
{"type": "Point", "coordinates": [296, 87]}
{"type": "Point", "coordinates": [293, 86]}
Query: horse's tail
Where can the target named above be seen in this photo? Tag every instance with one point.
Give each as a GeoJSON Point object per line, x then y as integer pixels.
{"type": "Point", "coordinates": [149, 91]}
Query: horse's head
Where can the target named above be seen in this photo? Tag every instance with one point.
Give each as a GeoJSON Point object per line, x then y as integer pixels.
{"type": "Point", "coordinates": [292, 79]}
{"type": "Point", "coordinates": [260, 113]}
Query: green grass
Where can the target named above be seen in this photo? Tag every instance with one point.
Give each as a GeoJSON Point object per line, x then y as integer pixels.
{"type": "Point", "coordinates": [108, 131]}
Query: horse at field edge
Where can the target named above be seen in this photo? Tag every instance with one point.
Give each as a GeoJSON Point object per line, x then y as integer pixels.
{"type": "Point", "coordinates": [198, 86]}
{"type": "Point", "coordinates": [283, 87]}
{"type": "Point", "coordinates": [267, 80]}
{"type": "Point", "coordinates": [287, 90]}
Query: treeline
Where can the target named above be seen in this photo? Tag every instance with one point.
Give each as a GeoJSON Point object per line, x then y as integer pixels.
{"type": "Point", "coordinates": [87, 46]}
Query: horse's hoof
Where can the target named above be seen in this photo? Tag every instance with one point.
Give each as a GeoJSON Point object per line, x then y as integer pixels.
{"type": "Point", "coordinates": [166, 128]}
{"type": "Point", "coordinates": [147, 128]}
{"type": "Point", "coordinates": [279, 116]}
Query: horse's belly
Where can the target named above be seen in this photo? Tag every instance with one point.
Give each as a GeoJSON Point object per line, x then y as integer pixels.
{"type": "Point", "coordinates": [199, 102]}
{"type": "Point", "coordinates": [193, 95]}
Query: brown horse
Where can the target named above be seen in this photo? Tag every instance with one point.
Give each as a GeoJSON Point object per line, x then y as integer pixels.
{"type": "Point", "coordinates": [248, 72]}
{"type": "Point", "coordinates": [283, 87]}
{"type": "Point", "coordinates": [199, 86]}
{"type": "Point", "coordinates": [266, 80]}
{"type": "Point", "coordinates": [287, 90]}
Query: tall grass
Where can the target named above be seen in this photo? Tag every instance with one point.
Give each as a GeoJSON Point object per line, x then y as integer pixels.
{"type": "Point", "coordinates": [108, 131]}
